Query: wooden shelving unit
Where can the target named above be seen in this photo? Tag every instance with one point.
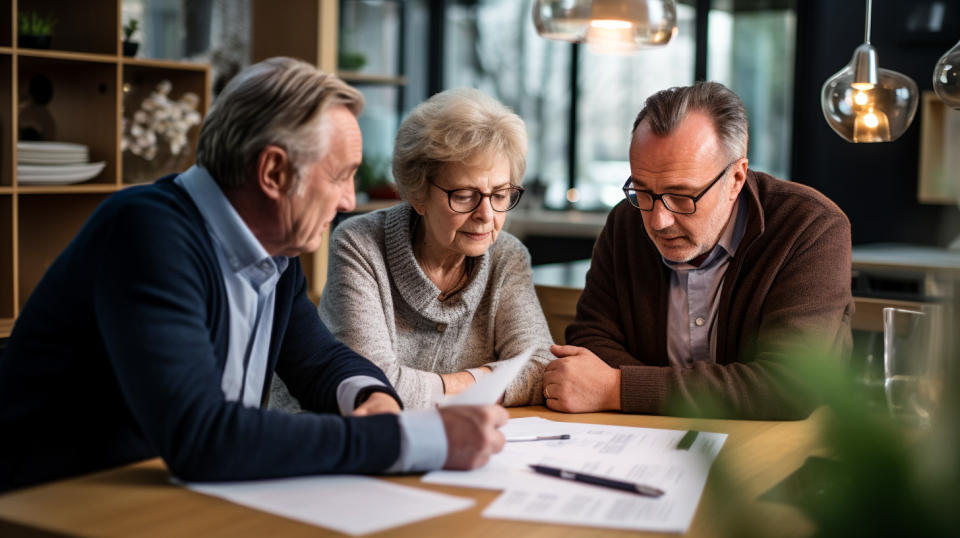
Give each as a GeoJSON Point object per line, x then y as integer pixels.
{"type": "Point", "coordinates": [94, 88]}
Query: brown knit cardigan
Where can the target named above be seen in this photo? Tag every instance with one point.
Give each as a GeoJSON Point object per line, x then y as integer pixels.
{"type": "Point", "coordinates": [785, 297]}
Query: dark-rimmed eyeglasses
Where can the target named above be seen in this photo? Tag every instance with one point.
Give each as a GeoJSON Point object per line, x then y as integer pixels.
{"type": "Point", "coordinates": [466, 200]}
{"type": "Point", "coordinates": [683, 204]}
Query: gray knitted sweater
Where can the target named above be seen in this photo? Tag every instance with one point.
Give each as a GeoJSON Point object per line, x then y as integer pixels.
{"type": "Point", "coordinates": [378, 301]}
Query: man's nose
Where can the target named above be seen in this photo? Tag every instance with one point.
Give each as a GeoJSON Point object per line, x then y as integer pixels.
{"type": "Point", "coordinates": [348, 198]}
{"type": "Point", "coordinates": [661, 217]}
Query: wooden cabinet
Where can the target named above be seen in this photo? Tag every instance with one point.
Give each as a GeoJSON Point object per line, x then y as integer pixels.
{"type": "Point", "coordinates": [92, 82]}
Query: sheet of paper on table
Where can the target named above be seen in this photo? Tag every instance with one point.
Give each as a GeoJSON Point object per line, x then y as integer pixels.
{"type": "Point", "coordinates": [488, 389]}
{"type": "Point", "coordinates": [645, 455]}
{"type": "Point", "coordinates": [348, 504]}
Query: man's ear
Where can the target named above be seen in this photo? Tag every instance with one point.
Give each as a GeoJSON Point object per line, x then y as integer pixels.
{"type": "Point", "coordinates": [739, 177]}
{"type": "Point", "coordinates": [274, 171]}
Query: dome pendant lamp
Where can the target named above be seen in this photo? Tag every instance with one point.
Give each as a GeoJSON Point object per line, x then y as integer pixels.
{"type": "Point", "coordinates": [607, 26]}
{"type": "Point", "coordinates": [946, 77]}
{"type": "Point", "coordinates": [864, 103]}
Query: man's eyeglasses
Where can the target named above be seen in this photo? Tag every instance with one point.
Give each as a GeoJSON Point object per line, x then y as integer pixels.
{"type": "Point", "coordinates": [683, 204]}
{"type": "Point", "coordinates": [466, 200]}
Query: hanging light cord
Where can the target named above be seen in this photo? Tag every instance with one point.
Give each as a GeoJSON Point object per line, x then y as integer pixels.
{"type": "Point", "coordinates": [866, 36]}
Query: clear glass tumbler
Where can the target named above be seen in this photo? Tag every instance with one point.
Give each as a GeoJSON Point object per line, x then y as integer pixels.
{"type": "Point", "coordinates": [912, 365]}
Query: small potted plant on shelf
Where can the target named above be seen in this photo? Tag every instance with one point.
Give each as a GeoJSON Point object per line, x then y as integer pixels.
{"type": "Point", "coordinates": [129, 45]}
{"type": "Point", "coordinates": [35, 31]}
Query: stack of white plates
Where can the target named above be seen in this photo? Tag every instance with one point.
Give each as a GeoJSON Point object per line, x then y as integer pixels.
{"type": "Point", "coordinates": [54, 163]}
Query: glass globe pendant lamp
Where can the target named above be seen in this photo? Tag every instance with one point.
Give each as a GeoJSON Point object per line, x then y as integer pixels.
{"type": "Point", "coordinates": [946, 77]}
{"type": "Point", "coordinates": [607, 26]}
{"type": "Point", "coordinates": [562, 20]}
{"type": "Point", "coordinates": [864, 103]}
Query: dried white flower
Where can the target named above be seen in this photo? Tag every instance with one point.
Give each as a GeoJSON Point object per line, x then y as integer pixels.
{"type": "Point", "coordinates": [161, 119]}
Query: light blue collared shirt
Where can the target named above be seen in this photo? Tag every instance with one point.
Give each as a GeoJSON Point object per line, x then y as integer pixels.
{"type": "Point", "coordinates": [250, 276]}
{"type": "Point", "coordinates": [695, 296]}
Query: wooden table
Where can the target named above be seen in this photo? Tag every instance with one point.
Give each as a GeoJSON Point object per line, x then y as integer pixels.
{"type": "Point", "coordinates": [139, 500]}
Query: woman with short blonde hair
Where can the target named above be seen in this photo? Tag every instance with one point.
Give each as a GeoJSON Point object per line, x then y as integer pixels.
{"type": "Point", "coordinates": [431, 290]}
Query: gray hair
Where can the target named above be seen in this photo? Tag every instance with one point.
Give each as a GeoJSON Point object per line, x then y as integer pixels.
{"type": "Point", "coordinates": [279, 102]}
{"type": "Point", "coordinates": [456, 127]}
{"type": "Point", "coordinates": [666, 109]}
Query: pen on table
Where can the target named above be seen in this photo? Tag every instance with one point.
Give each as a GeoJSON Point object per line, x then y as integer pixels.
{"type": "Point", "coordinates": [538, 437]}
{"type": "Point", "coordinates": [633, 487]}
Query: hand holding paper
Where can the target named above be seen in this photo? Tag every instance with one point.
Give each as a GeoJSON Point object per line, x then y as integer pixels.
{"type": "Point", "coordinates": [488, 388]}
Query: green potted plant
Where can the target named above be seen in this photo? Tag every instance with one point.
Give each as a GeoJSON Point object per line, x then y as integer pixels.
{"type": "Point", "coordinates": [34, 30]}
{"type": "Point", "coordinates": [129, 45]}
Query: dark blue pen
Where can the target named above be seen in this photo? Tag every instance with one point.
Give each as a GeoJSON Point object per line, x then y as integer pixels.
{"type": "Point", "coordinates": [632, 487]}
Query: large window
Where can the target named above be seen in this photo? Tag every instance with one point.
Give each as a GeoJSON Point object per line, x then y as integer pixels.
{"type": "Point", "coordinates": [752, 52]}
{"type": "Point", "coordinates": [492, 45]}
{"type": "Point", "coordinates": [612, 89]}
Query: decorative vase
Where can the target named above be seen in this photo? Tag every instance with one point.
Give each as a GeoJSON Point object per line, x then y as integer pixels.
{"type": "Point", "coordinates": [130, 48]}
{"type": "Point", "coordinates": [34, 41]}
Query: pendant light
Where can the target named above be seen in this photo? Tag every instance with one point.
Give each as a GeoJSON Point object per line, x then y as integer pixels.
{"type": "Point", "coordinates": [864, 103]}
{"type": "Point", "coordinates": [607, 26]}
{"type": "Point", "coordinates": [563, 20]}
{"type": "Point", "coordinates": [946, 77]}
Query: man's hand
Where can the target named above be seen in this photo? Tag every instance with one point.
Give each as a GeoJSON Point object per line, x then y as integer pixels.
{"type": "Point", "coordinates": [472, 434]}
{"type": "Point", "coordinates": [580, 382]}
{"type": "Point", "coordinates": [377, 403]}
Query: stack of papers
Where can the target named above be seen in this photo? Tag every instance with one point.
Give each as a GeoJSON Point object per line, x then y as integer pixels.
{"type": "Point", "coordinates": [643, 455]}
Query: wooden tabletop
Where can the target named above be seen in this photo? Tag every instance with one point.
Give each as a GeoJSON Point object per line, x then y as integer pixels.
{"type": "Point", "coordinates": [139, 500]}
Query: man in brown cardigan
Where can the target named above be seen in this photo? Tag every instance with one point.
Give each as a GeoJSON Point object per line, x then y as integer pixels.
{"type": "Point", "coordinates": [709, 281]}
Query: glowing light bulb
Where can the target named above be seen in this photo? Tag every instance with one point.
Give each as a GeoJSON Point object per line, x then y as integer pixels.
{"type": "Point", "coordinates": [611, 24]}
{"type": "Point", "coordinates": [573, 195]}
{"type": "Point", "coordinates": [610, 36]}
{"type": "Point", "coordinates": [860, 98]}
{"type": "Point", "coordinates": [871, 125]}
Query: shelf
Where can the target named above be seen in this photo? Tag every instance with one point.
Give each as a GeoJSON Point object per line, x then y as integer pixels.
{"type": "Point", "coordinates": [140, 79]}
{"type": "Point", "coordinates": [163, 64]}
{"type": "Point", "coordinates": [6, 122]}
{"type": "Point", "coordinates": [63, 55]}
{"type": "Point", "coordinates": [82, 26]}
{"type": "Point", "coordinates": [87, 73]}
{"type": "Point", "coordinates": [6, 326]}
{"type": "Point", "coordinates": [7, 285]}
{"type": "Point", "coordinates": [91, 188]}
{"type": "Point", "coordinates": [47, 223]}
{"type": "Point", "coordinates": [83, 108]}
{"type": "Point", "coordinates": [367, 78]}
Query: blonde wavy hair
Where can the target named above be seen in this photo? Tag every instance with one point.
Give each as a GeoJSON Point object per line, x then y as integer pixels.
{"type": "Point", "coordinates": [456, 126]}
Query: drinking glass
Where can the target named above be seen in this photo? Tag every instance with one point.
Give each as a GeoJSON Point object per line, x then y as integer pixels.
{"type": "Point", "coordinates": [911, 364]}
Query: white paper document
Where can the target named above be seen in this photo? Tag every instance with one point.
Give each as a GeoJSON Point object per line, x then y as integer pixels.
{"type": "Point", "coordinates": [488, 389]}
{"type": "Point", "coordinates": [644, 455]}
{"type": "Point", "coordinates": [348, 504]}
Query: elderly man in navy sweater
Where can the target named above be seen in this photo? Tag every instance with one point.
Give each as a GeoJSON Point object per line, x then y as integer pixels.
{"type": "Point", "coordinates": [158, 329]}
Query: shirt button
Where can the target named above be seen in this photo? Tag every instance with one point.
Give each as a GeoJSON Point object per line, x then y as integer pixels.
{"type": "Point", "coordinates": [441, 327]}
{"type": "Point", "coordinates": [700, 322]}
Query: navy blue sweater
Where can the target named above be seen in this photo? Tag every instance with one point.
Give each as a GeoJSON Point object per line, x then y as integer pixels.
{"type": "Point", "coordinates": [118, 355]}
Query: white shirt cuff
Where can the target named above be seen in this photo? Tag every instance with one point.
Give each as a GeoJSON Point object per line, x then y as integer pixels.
{"type": "Point", "coordinates": [423, 442]}
{"type": "Point", "coordinates": [350, 387]}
